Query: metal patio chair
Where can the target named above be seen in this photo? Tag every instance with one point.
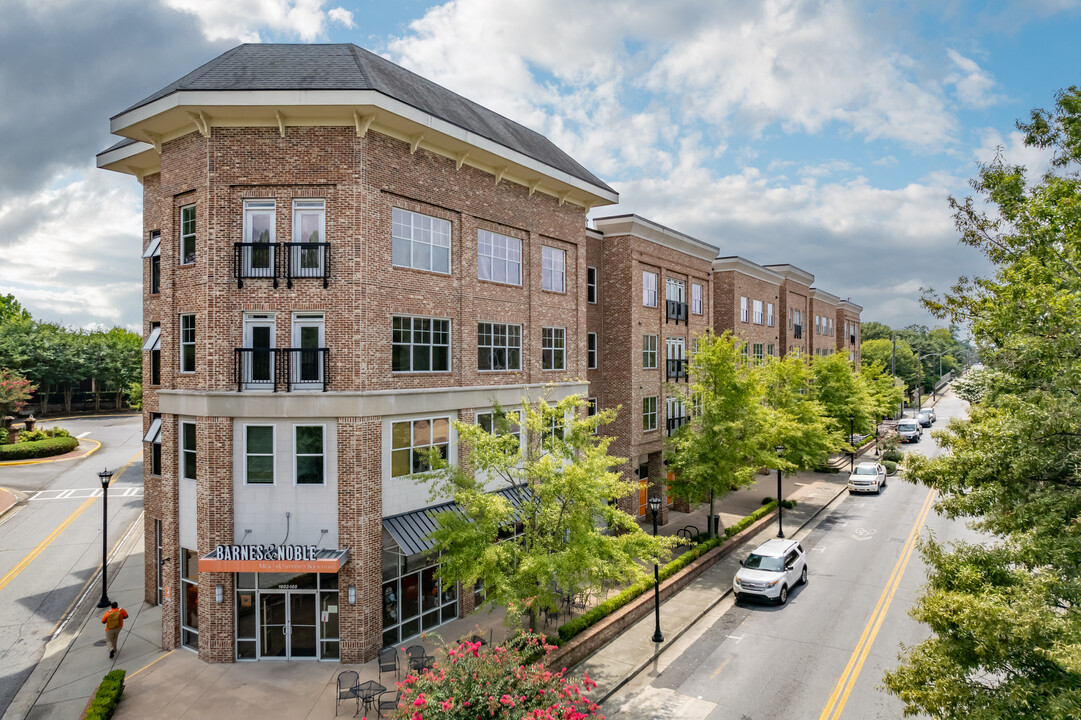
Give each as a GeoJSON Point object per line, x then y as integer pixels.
{"type": "Point", "coordinates": [347, 689]}
{"type": "Point", "coordinates": [390, 704]}
{"type": "Point", "coordinates": [388, 661]}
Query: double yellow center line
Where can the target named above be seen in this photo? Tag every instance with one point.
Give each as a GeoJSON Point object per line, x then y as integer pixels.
{"type": "Point", "coordinates": [839, 696]}
{"type": "Point", "coordinates": [14, 572]}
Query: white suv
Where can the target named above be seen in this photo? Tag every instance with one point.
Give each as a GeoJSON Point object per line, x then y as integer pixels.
{"type": "Point", "coordinates": [768, 572]}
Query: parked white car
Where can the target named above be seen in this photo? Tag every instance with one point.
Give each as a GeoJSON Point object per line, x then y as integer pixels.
{"type": "Point", "coordinates": [909, 431]}
{"type": "Point", "coordinates": [768, 572]}
{"type": "Point", "coordinates": [867, 477]}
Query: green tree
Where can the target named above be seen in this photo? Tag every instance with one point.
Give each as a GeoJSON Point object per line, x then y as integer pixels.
{"type": "Point", "coordinates": [841, 393]}
{"type": "Point", "coordinates": [122, 361]}
{"type": "Point", "coordinates": [14, 392]}
{"type": "Point", "coordinates": [10, 309]}
{"type": "Point", "coordinates": [572, 536]}
{"type": "Point", "coordinates": [885, 394]}
{"type": "Point", "coordinates": [795, 418]}
{"type": "Point", "coordinates": [880, 352]}
{"type": "Point", "coordinates": [872, 330]}
{"type": "Point", "coordinates": [1005, 612]}
{"type": "Point", "coordinates": [727, 439]}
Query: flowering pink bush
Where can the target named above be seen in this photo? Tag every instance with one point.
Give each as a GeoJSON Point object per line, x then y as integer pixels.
{"type": "Point", "coordinates": [475, 682]}
{"type": "Point", "coordinates": [14, 391]}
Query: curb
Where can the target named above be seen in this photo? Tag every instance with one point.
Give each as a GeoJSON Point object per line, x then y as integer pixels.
{"type": "Point", "coordinates": [669, 641]}
{"type": "Point", "coordinates": [56, 650]}
{"type": "Point", "coordinates": [16, 498]}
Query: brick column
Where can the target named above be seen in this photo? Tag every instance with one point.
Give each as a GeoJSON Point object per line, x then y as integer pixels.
{"type": "Point", "coordinates": [166, 497]}
{"type": "Point", "coordinates": [214, 515]}
{"type": "Point", "coordinates": [360, 529]}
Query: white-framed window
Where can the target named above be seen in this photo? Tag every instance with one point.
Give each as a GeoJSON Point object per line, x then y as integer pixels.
{"type": "Point", "coordinates": [743, 312]}
{"type": "Point", "coordinates": [153, 252]}
{"type": "Point", "coordinates": [499, 258]}
{"type": "Point", "coordinates": [649, 413]}
{"type": "Point", "coordinates": [798, 317]}
{"type": "Point", "coordinates": [553, 348]}
{"type": "Point", "coordinates": [831, 327]}
{"type": "Point", "coordinates": [187, 235]}
{"type": "Point", "coordinates": [309, 454]}
{"type": "Point", "coordinates": [591, 351]}
{"type": "Point", "coordinates": [258, 221]}
{"type": "Point", "coordinates": [758, 318]}
{"type": "Point", "coordinates": [499, 346]}
{"type": "Point", "coordinates": [591, 285]}
{"type": "Point", "coordinates": [188, 454]}
{"type": "Point", "coordinates": [309, 230]}
{"type": "Point", "coordinates": [851, 356]}
{"type": "Point", "coordinates": [769, 350]}
{"type": "Point", "coordinates": [420, 344]}
{"type": "Point", "coordinates": [649, 352]}
{"type": "Point", "coordinates": [187, 343]}
{"type": "Point", "coordinates": [696, 299]}
{"type": "Point", "coordinates": [258, 454]}
{"type": "Point", "coordinates": [675, 290]}
{"type": "Point", "coordinates": [591, 409]}
{"type": "Point", "coordinates": [649, 288]}
{"type": "Point", "coordinates": [410, 439]}
{"type": "Point", "coordinates": [553, 269]}
{"type": "Point", "coordinates": [769, 314]}
{"type": "Point", "coordinates": [789, 318]}
{"type": "Point", "coordinates": [745, 351]}
{"type": "Point", "coordinates": [511, 423]}
{"type": "Point", "coordinates": [420, 241]}
{"type": "Point", "coordinates": [759, 353]}
{"type": "Point", "coordinates": [153, 436]}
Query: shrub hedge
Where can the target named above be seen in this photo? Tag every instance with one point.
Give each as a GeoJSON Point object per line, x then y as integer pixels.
{"type": "Point", "coordinates": [591, 617]}
{"type": "Point", "coordinates": [891, 467]}
{"type": "Point", "coordinates": [105, 700]}
{"type": "Point", "coordinates": [894, 456]}
{"type": "Point", "coordinates": [38, 449]}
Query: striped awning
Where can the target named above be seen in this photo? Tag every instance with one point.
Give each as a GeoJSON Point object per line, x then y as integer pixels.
{"type": "Point", "coordinates": [411, 530]}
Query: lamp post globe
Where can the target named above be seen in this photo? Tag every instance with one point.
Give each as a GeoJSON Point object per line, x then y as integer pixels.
{"type": "Point", "coordinates": [780, 500]}
{"type": "Point", "coordinates": [106, 477]}
{"type": "Point", "coordinates": [658, 637]}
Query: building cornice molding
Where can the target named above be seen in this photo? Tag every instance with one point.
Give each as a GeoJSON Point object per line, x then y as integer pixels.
{"type": "Point", "coordinates": [791, 272]}
{"type": "Point", "coordinates": [823, 296]}
{"type": "Point", "coordinates": [742, 265]}
{"type": "Point", "coordinates": [650, 231]}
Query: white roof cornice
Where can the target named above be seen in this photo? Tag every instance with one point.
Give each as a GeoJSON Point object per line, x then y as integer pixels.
{"type": "Point", "coordinates": [745, 266]}
{"type": "Point", "coordinates": [653, 232]}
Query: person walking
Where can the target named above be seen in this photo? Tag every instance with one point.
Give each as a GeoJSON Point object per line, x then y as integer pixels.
{"type": "Point", "coordinates": [114, 621]}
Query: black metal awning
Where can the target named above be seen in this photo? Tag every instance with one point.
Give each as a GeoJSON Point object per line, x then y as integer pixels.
{"type": "Point", "coordinates": [411, 530]}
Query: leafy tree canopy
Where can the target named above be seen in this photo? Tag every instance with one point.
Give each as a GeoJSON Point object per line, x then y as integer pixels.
{"type": "Point", "coordinates": [1005, 613]}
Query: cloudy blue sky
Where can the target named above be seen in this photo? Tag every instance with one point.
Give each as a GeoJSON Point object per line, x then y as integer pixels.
{"type": "Point", "coordinates": [827, 133]}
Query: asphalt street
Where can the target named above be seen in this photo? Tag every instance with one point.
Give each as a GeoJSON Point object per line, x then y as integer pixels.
{"type": "Point", "coordinates": [822, 655]}
{"type": "Point", "coordinates": [50, 544]}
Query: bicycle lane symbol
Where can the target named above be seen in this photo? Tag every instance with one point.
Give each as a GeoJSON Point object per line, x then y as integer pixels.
{"type": "Point", "coordinates": [863, 534]}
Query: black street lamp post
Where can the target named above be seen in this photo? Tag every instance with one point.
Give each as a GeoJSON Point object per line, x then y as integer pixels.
{"type": "Point", "coordinates": [780, 500]}
{"type": "Point", "coordinates": [106, 477]}
{"type": "Point", "coordinates": [876, 437]}
{"type": "Point", "coordinates": [655, 507]}
{"type": "Point", "coordinates": [852, 442]}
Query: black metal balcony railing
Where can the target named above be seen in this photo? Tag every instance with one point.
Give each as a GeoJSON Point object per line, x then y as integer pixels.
{"type": "Point", "coordinates": [798, 331]}
{"type": "Point", "coordinates": [675, 423]}
{"type": "Point", "coordinates": [675, 310]}
{"type": "Point", "coordinates": [281, 260]}
{"type": "Point", "coordinates": [677, 369]}
{"type": "Point", "coordinates": [288, 368]}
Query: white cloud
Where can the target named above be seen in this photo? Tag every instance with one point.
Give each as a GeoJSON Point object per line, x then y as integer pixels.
{"type": "Point", "coordinates": [974, 86]}
{"type": "Point", "coordinates": [71, 249]}
{"type": "Point", "coordinates": [244, 19]}
{"type": "Point", "coordinates": [341, 16]}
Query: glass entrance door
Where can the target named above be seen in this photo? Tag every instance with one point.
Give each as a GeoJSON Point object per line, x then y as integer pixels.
{"type": "Point", "coordinates": [287, 624]}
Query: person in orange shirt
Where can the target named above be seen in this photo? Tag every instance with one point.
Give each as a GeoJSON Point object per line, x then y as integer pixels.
{"type": "Point", "coordinates": [114, 621]}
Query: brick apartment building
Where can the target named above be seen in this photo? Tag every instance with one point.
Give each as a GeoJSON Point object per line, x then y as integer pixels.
{"type": "Point", "coordinates": [655, 296]}
{"type": "Point", "coordinates": [824, 309]}
{"type": "Point", "coordinates": [848, 321]}
{"type": "Point", "coordinates": [340, 259]}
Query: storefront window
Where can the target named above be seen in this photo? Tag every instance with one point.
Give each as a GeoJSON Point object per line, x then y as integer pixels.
{"type": "Point", "coordinates": [189, 599]}
{"type": "Point", "coordinates": [413, 598]}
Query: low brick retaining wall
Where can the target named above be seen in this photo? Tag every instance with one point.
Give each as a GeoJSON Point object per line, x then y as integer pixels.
{"type": "Point", "coordinates": [596, 636]}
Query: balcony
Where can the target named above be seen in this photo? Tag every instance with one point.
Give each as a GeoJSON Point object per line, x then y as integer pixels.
{"type": "Point", "coordinates": [281, 368]}
{"type": "Point", "coordinates": [852, 339]}
{"type": "Point", "coordinates": [798, 331]}
{"type": "Point", "coordinates": [675, 310]}
{"type": "Point", "coordinates": [677, 369]}
{"type": "Point", "coordinates": [675, 423]}
{"type": "Point", "coordinates": [281, 260]}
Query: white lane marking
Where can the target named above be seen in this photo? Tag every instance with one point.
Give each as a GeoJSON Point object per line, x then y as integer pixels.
{"type": "Point", "coordinates": [862, 534]}
{"type": "Point", "coordinates": [84, 493]}
{"type": "Point", "coordinates": [737, 638]}
{"type": "Point", "coordinates": [82, 435]}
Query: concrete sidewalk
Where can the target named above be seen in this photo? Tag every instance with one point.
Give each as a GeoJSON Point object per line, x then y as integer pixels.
{"type": "Point", "coordinates": [176, 684]}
